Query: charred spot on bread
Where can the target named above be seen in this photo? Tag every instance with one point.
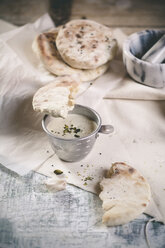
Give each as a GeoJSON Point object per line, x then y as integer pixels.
{"type": "Point", "coordinates": [131, 170]}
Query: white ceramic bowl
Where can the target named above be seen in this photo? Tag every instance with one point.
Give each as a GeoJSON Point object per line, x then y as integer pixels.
{"type": "Point", "coordinates": [135, 46]}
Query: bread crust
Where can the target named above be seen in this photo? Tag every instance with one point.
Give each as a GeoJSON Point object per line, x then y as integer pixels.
{"type": "Point", "coordinates": [57, 97]}
{"type": "Point", "coordinates": [44, 46]}
{"type": "Point", "coordinates": [125, 194]}
{"type": "Point", "coordinates": [85, 44]}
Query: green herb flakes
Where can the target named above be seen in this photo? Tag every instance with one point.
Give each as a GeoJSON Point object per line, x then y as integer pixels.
{"type": "Point", "coordinates": [71, 129]}
{"type": "Point", "coordinates": [88, 178]}
{"type": "Point", "coordinates": [77, 136]}
{"type": "Point", "coordinates": [77, 130]}
{"type": "Point", "coordinates": [58, 172]}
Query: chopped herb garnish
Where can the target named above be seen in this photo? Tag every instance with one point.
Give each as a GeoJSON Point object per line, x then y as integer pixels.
{"type": "Point", "coordinates": [77, 136]}
{"type": "Point", "coordinates": [77, 130]}
{"type": "Point", "coordinates": [85, 184]}
{"type": "Point", "coordinates": [88, 178]}
{"type": "Point", "coordinates": [71, 129]}
{"type": "Point", "coordinates": [58, 172]}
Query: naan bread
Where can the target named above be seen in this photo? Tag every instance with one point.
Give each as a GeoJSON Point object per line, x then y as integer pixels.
{"type": "Point", "coordinates": [44, 46]}
{"type": "Point", "coordinates": [57, 97]}
{"type": "Point", "coordinates": [85, 44]}
{"type": "Point", "coordinates": [125, 194]}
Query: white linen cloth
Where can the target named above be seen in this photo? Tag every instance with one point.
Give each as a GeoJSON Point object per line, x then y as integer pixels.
{"type": "Point", "coordinates": [135, 111]}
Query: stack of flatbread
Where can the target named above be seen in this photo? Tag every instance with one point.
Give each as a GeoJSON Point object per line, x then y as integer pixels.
{"type": "Point", "coordinates": [76, 52]}
{"type": "Point", "coordinates": [82, 47]}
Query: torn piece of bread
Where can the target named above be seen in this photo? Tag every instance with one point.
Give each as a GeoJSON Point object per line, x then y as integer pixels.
{"type": "Point", "coordinates": [85, 44]}
{"type": "Point", "coordinates": [44, 46]}
{"type": "Point", "coordinates": [125, 194]}
{"type": "Point", "coordinates": [57, 97]}
{"type": "Point", "coordinates": [56, 184]}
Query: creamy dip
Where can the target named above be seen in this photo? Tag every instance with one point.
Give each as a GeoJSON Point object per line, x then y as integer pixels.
{"type": "Point", "coordinates": [74, 126]}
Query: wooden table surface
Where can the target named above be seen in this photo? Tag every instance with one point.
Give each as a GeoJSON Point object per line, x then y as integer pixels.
{"type": "Point", "coordinates": [30, 215]}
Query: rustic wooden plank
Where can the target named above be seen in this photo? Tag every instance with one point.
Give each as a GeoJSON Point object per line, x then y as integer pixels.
{"type": "Point", "coordinates": [31, 216]}
{"type": "Point", "coordinates": [122, 13]}
{"type": "Point", "coordinates": [21, 12]}
{"type": "Point", "coordinates": [119, 13]}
